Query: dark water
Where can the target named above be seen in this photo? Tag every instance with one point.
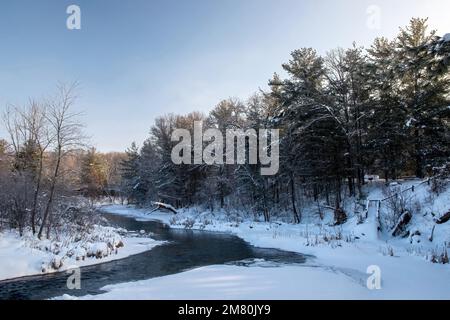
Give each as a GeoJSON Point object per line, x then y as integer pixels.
{"type": "Point", "coordinates": [186, 249]}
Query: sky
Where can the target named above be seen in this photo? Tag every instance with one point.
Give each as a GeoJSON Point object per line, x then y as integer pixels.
{"type": "Point", "coordinates": [139, 59]}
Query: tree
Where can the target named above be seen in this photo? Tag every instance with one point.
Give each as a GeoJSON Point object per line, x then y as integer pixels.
{"type": "Point", "coordinates": [3, 155]}
{"type": "Point", "coordinates": [65, 129]}
{"type": "Point", "coordinates": [386, 127]}
{"type": "Point", "coordinates": [113, 173]}
{"type": "Point", "coordinates": [424, 89]}
{"type": "Point", "coordinates": [30, 139]}
{"type": "Point", "coordinates": [169, 177]}
{"type": "Point", "coordinates": [301, 110]}
{"type": "Point", "coordinates": [228, 114]}
{"type": "Point", "coordinates": [93, 173]}
{"type": "Point", "coordinates": [129, 168]}
{"type": "Point", "coordinates": [252, 187]}
{"type": "Point", "coordinates": [149, 162]}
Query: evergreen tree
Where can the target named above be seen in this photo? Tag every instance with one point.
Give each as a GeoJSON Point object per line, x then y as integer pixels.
{"type": "Point", "coordinates": [131, 174]}
{"type": "Point", "coordinates": [302, 112]}
{"type": "Point", "coordinates": [93, 173]}
{"type": "Point", "coordinates": [386, 127]}
{"type": "Point", "coordinates": [149, 163]}
{"type": "Point", "coordinates": [424, 91]}
{"type": "Point", "coordinates": [348, 97]}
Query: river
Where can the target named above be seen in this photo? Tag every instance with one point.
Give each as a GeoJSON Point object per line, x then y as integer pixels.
{"type": "Point", "coordinates": [182, 250]}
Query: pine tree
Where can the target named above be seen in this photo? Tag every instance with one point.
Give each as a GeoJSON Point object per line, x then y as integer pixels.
{"type": "Point", "coordinates": [27, 159]}
{"type": "Point", "coordinates": [302, 113]}
{"type": "Point", "coordinates": [131, 174]}
{"type": "Point", "coordinates": [348, 97]}
{"type": "Point", "coordinates": [386, 127]}
{"type": "Point", "coordinates": [149, 163]}
{"type": "Point", "coordinates": [4, 159]}
{"type": "Point", "coordinates": [424, 91]}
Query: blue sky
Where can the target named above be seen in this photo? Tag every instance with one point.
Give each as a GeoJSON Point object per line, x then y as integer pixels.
{"type": "Point", "coordinates": [138, 59]}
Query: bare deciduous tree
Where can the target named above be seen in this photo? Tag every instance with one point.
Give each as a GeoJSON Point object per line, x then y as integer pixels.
{"type": "Point", "coordinates": [66, 134]}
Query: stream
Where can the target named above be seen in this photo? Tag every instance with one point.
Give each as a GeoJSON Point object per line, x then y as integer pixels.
{"type": "Point", "coordinates": [183, 250]}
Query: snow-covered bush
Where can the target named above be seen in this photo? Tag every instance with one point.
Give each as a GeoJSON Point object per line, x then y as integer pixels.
{"type": "Point", "coordinates": [387, 251]}
{"type": "Point", "coordinates": [439, 255]}
{"type": "Point", "coordinates": [189, 223]}
{"type": "Point", "coordinates": [395, 205]}
{"type": "Point", "coordinates": [441, 180]}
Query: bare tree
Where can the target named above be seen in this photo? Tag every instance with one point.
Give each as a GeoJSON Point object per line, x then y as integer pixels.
{"type": "Point", "coordinates": [35, 119]}
{"type": "Point", "coordinates": [66, 134]}
{"type": "Point", "coordinates": [27, 126]}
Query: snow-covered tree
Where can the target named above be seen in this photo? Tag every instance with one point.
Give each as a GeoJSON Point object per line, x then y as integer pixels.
{"type": "Point", "coordinates": [423, 89]}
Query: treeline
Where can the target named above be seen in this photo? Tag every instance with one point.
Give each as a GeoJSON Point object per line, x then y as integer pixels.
{"type": "Point", "coordinates": [353, 112]}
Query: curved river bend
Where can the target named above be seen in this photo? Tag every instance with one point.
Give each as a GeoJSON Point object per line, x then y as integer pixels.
{"type": "Point", "coordinates": [184, 250]}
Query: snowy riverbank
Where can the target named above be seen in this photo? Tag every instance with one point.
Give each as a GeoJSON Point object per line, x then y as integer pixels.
{"type": "Point", "coordinates": [338, 270]}
{"type": "Point", "coordinates": [26, 256]}
{"type": "Point", "coordinates": [287, 282]}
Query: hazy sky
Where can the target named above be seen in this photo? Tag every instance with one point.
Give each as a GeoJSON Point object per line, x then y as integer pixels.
{"type": "Point", "coordinates": [139, 59]}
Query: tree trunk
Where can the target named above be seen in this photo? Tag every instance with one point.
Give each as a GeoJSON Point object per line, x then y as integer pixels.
{"type": "Point", "coordinates": [294, 208]}
{"type": "Point", "coordinates": [36, 194]}
{"type": "Point", "coordinates": [52, 193]}
{"type": "Point", "coordinates": [222, 200]}
{"type": "Point", "coordinates": [418, 157]}
{"type": "Point", "coordinates": [351, 187]}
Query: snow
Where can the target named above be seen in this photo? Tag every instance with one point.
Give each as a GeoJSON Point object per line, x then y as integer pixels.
{"type": "Point", "coordinates": [165, 206]}
{"type": "Point", "coordinates": [446, 37]}
{"type": "Point", "coordinates": [237, 283]}
{"type": "Point", "coordinates": [289, 237]}
{"type": "Point", "coordinates": [287, 282]}
{"type": "Point", "coordinates": [338, 269]}
{"type": "Point", "coordinates": [20, 256]}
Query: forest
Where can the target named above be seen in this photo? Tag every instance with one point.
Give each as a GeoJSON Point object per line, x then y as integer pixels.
{"type": "Point", "coordinates": [344, 117]}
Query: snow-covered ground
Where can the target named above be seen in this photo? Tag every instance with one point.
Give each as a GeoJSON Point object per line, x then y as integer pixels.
{"type": "Point", "coordinates": [287, 282]}
{"type": "Point", "coordinates": [25, 256]}
{"type": "Point", "coordinates": [314, 236]}
{"type": "Point", "coordinates": [339, 269]}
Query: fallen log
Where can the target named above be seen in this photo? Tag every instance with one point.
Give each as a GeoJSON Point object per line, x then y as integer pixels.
{"type": "Point", "coordinates": [160, 205]}
{"type": "Point", "coordinates": [400, 227]}
{"type": "Point", "coordinates": [444, 218]}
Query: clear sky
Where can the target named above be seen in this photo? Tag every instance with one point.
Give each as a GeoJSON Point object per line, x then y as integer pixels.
{"type": "Point", "coordinates": [138, 59]}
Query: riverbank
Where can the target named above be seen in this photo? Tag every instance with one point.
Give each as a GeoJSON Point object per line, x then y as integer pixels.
{"type": "Point", "coordinates": [26, 255]}
{"type": "Point", "coordinates": [265, 283]}
{"type": "Point", "coordinates": [337, 271]}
